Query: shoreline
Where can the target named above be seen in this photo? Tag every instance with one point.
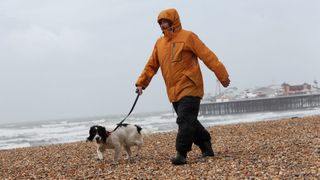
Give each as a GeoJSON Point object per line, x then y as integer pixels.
{"type": "Point", "coordinates": [57, 132]}
{"type": "Point", "coordinates": [284, 148]}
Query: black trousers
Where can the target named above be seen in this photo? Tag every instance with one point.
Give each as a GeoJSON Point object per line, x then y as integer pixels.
{"type": "Point", "coordinates": [190, 129]}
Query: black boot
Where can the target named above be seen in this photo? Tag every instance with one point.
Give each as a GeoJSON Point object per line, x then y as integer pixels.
{"type": "Point", "coordinates": [180, 159]}
{"type": "Point", "coordinates": [206, 149]}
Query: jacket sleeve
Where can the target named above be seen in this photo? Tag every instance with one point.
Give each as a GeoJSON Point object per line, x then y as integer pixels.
{"type": "Point", "coordinates": [149, 70]}
{"type": "Point", "coordinates": [208, 58]}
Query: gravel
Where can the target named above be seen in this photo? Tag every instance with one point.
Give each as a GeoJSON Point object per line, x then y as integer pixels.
{"type": "Point", "coordinates": [278, 149]}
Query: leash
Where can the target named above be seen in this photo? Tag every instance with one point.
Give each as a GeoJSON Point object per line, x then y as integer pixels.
{"type": "Point", "coordinates": [134, 104]}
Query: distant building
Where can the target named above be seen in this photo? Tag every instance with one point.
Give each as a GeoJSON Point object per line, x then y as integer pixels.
{"type": "Point", "coordinates": [268, 91]}
{"type": "Point", "coordinates": [296, 89]}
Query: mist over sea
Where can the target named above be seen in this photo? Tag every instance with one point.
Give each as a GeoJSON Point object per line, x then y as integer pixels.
{"type": "Point", "coordinates": [18, 135]}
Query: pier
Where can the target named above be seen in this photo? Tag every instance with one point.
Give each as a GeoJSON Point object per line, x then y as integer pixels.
{"type": "Point", "coordinates": [281, 103]}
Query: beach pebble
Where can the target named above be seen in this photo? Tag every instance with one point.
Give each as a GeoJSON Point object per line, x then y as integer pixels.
{"type": "Point", "coordinates": [277, 149]}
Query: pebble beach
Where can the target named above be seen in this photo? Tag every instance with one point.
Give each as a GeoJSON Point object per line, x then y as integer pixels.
{"type": "Point", "coordinates": [277, 149]}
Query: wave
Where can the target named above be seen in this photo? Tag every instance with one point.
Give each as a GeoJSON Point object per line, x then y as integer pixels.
{"type": "Point", "coordinates": [65, 131]}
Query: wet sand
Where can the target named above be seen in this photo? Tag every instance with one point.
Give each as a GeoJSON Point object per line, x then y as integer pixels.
{"type": "Point", "coordinates": [280, 149]}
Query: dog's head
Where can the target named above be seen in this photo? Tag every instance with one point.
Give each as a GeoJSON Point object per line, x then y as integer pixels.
{"type": "Point", "coordinates": [98, 133]}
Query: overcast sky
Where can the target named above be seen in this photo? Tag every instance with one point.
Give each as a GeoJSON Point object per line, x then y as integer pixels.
{"type": "Point", "coordinates": [78, 58]}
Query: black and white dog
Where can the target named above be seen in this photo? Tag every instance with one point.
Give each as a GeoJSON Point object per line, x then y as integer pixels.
{"type": "Point", "coordinates": [126, 135]}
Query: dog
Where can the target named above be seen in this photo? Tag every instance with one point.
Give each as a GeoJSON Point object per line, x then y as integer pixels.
{"type": "Point", "coordinates": [126, 135]}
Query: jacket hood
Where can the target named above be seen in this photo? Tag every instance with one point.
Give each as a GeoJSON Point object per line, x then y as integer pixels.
{"type": "Point", "coordinates": [173, 16]}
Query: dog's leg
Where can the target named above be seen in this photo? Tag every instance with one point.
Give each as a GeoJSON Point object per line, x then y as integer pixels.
{"type": "Point", "coordinates": [117, 149]}
{"type": "Point", "coordinates": [139, 144]}
{"type": "Point", "coordinates": [100, 150]}
{"type": "Point", "coordinates": [138, 150]}
{"type": "Point", "coordinates": [128, 150]}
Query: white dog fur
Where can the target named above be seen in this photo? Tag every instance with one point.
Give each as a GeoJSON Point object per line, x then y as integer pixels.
{"type": "Point", "coordinates": [125, 136]}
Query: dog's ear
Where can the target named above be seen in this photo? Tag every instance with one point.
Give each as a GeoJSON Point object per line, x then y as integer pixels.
{"type": "Point", "coordinates": [92, 133]}
{"type": "Point", "coordinates": [90, 138]}
{"type": "Point", "coordinates": [105, 137]}
{"type": "Point", "coordinates": [103, 133]}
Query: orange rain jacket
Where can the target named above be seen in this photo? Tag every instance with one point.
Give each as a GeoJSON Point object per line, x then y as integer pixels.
{"type": "Point", "coordinates": [176, 53]}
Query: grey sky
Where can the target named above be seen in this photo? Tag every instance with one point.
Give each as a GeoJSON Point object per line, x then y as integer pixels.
{"type": "Point", "coordinates": [77, 58]}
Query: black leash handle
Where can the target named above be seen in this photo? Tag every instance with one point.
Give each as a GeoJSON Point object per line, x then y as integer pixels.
{"type": "Point", "coordinates": [134, 104]}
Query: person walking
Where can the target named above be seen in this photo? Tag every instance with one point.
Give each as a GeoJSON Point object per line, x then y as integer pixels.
{"type": "Point", "coordinates": [176, 53]}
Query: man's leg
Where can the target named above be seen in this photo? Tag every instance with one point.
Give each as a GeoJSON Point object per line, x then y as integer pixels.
{"type": "Point", "coordinates": [187, 110]}
{"type": "Point", "coordinates": [202, 139]}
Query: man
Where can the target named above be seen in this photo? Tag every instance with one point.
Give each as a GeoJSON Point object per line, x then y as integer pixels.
{"type": "Point", "coordinates": [176, 53]}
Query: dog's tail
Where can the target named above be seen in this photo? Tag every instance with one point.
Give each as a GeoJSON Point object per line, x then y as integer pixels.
{"type": "Point", "coordinates": [142, 131]}
{"type": "Point", "coordinates": [138, 128]}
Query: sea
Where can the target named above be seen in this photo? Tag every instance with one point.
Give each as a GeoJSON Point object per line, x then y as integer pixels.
{"type": "Point", "coordinates": [18, 135]}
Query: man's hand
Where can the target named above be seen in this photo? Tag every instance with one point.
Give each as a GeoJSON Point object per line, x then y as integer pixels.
{"type": "Point", "coordinates": [226, 82]}
{"type": "Point", "coordinates": [139, 90]}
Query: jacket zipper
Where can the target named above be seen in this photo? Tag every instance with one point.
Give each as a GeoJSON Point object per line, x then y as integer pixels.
{"type": "Point", "coordinates": [171, 64]}
{"type": "Point", "coordinates": [173, 46]}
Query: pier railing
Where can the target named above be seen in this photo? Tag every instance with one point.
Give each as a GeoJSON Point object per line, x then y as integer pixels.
{"type": "Point", "coordinates": [281, 103]}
